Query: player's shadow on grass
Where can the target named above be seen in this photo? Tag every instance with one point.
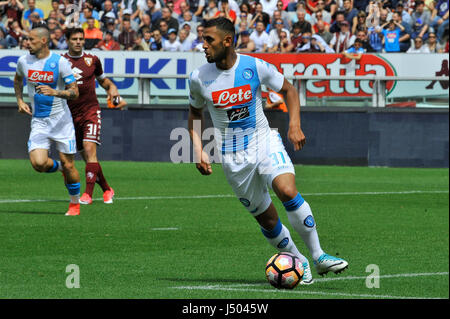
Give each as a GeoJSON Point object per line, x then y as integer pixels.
{"type": "Point", "coordinates": [30, 212]}
{"type": "Point", "coordinates": [216, 280]}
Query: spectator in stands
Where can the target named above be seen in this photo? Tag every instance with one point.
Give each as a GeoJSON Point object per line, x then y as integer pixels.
{"type": "Point", "coordinates": [336, 25]}
{"type": "Point", "coordinates": [3, 42]}
{"type": "Point", "coordinates": [58, 8]}
{"type": "Point", "coordinates": [311, 6]}
{"type": "Point", "coordinates": [405, 35]}
{"type": "Point", "coordinates": [211, 10]}
{"type": "Point", "coordinates": [24, 43]}
{"type": "Point", "coordinates": [198, 41]}
{"type": "Point", "coordinates": [259, 15]}
{"type": "Point", "coordinates": [321, 13]}
{"type": "Point", "coordinates": [92, 35]}
{"type": "Point", "coordinates": [188, 19]}
{"type": "Point", "coordinates": [157, 41]}
{"type": "Point", "coordinates": [406, 17]}
{"type": "Point", "coordinates": [164, 29]}
{"type": "Point", "coordinates": [304, 25]}
{"type": "Point", "coordinates": [421, 20]}
{"type": "Point", "coordinates": [385, 16]}
{"type": "Point", "coordinates": [129, 7]}
{"type": "Point", "coordinates": [190, 35]}
{"type": "Point", "coordinates": [331, 7]}
{"type": "Point", "coordinates": [274, 36]}
{"type": "Point", "coordinates": [260, 37]}
{"type": "Point", "coordinates": [359, 22]}
{"type": "Point", "coordinates": [52, 24]}
{"type": "Point", "coordinates": [375, 38]}
{"type": "Point", "coordinates": [87, 13]}
{"type": "Point", "coordinates": [363, 36]}
{"type": "Point", "coordinates": [15, 34]}
{"type": "Point", "coordinates": [146, 22]}
{"type": "Point", "coordinates": [391, 36]}
{"type": "Point", "coordinates": [108, 43]}
{"type": "Point", "coordinates": [268, 6]}
{"type": "Point", "coordinates": [57, 40]}
{"type": "Point", "coordinates": [226, 12]}
{"type": "Point", "coordinates": [284, 14]}
{"type": "Point", "coordinates": [418, 47]}
{"type": "Point", "coordinates": [439, 19]}
{"type": "Point", "coordinates": [342, 40]}
{"type": "Point", "coordinates": [277, 15]}
{"type": "Point", "coordinates": [152, 11]}
{"type": "Point", "coordinates": [36, 20]}
{"type": "Point", "coordinates": [310, 44]}
{"type": "Point", "coordinates": [172, 44]}
{"type": "Point", "coordinates": [111, 26]}
{"type": "Point", "coordinates": [108, 13]}
{"type": "Point", "coordinates": [146, 39]}
{"type": "Point", "coordinates": [433, 45]}
{"type": "Point", "coordinates": [138, 45]}
{"type": "Point", "coordinates": [296, 38]}
{"type": "Point", "coordinates": [186, 43]}
{"type": "Point", "coordinates": [196, 7]}
{"type": "Point", "coordinates": [321, 30]}
{"type": "Point", "coordinates": [166, 16]}
{"type": "Point", "coordinates": [356, 51]}
{"type": "Point", "coordinates": [13, 10]}
{"type": "Point", "coordinates": [318, 18]}
{"type": "Point", "coordinates": [31, 9]}
{"type": "Point", "coordinates": [244, 43]}
{"type": "Point", "coordinates": [349, 12]}
{"type": "Point", "coordinates": [373, 15]}
{"type": "Point", "coordinates": [127, 36]}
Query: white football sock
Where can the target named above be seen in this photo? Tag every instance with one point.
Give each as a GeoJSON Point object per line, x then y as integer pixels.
{"type": "Point", "coordinates": [301, 218]}
{"type": "Point", "coordinates": [280, 239]}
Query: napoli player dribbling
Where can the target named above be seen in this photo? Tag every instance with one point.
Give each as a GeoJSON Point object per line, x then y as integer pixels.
{"type": "Point", "coordinates": [50, 83]}
{"type": "Point", "coordinates": [253, 156]}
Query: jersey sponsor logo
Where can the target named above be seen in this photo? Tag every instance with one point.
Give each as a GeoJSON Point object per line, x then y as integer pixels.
{"type": "Point", "coordinates": [232, 97]}
{"type": "Point", "coordinates": [40, 76]}
{"type": "Point", "coordinates": [238, 114]}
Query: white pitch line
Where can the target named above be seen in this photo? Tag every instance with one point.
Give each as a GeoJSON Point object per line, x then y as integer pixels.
{"type": "Point", "coordinates": [166, 228]}
{"type": "Point", "coordinates": [12, 201]}
{"type": "Point", "coordinates": [306, 292]}
{"type": "Point", "coordinates": [249, 287]}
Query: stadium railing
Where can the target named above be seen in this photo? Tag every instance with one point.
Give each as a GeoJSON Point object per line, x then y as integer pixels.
{"type": "Point", "coordinates": [378, 93]}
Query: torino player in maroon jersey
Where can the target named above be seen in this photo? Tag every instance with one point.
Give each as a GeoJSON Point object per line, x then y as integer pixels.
{"type": "Point", "coordinates": [86, 112]}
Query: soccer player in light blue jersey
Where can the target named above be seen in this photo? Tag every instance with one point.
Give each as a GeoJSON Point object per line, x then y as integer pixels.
{"type": "Point", "coordinates": [50, 83]}
{"type": "Point", "coordinates": [253, 156]}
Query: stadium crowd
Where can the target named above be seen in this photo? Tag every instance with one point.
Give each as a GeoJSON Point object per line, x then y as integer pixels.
{"type": "Point", "coordinates": [332, 26]}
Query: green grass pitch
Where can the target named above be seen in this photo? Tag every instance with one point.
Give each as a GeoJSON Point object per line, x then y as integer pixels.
{"type": "Point", "coordinates": [174, 234]}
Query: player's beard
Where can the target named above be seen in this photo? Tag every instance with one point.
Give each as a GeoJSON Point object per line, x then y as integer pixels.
{"type": "Point", "coordinates": [220, 56]}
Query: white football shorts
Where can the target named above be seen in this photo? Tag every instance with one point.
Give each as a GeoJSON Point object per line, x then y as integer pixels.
{"type": "Point", "coordinates": [57, 128]}
{"type": "Point", "coordinates": [251, 174]}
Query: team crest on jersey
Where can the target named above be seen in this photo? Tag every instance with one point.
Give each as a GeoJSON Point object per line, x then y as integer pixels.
{"type": "Point", "coordinates": [53, 65]}
{"type": "Point", "coordinates": [247, 74]}
{"type": "Point", "coordinates": [88, 61]}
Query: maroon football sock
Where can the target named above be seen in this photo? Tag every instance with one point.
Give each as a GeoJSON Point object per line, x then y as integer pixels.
{"type": "Point", "coordinates": [101, 180]}
{"type": "Point", "coordinates": [91, 172]}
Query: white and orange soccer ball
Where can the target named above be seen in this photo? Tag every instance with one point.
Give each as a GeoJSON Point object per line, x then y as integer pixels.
{"type": "Point", "coordinates": [284, 270]}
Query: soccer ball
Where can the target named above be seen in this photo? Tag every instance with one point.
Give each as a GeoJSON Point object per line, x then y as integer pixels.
{"type": "Point", "coordinates": [284, 270]}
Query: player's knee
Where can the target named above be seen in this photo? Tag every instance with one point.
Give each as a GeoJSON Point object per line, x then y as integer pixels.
{"type": "Point", "coordinates": [287, 192]}
{"type": "Point", "coordinates": [39, 167]}
{"type": "Point", "coordinates": [68, 165]}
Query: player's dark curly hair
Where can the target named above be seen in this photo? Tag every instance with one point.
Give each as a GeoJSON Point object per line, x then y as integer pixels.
{"type": "Point", "coordinates": [222, 24]}
{"type": "Point", "coordinates": [71, 31]}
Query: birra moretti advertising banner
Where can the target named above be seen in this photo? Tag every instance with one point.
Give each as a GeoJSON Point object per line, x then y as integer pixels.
{"type": "Point", "coordinates": [183, 63]}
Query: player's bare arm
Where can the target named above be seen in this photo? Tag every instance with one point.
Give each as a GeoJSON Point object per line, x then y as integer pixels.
{"type": "Point", "coordinates": [200, 157]}
{"type": "Point", "coordinates": [70, 92]}
{"type": "Point", "coordinates": [295, 133]}
{"type": "Point", "coordinates": [109, 87]}
{"type": "Point", "coordinates": [18, 89]}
